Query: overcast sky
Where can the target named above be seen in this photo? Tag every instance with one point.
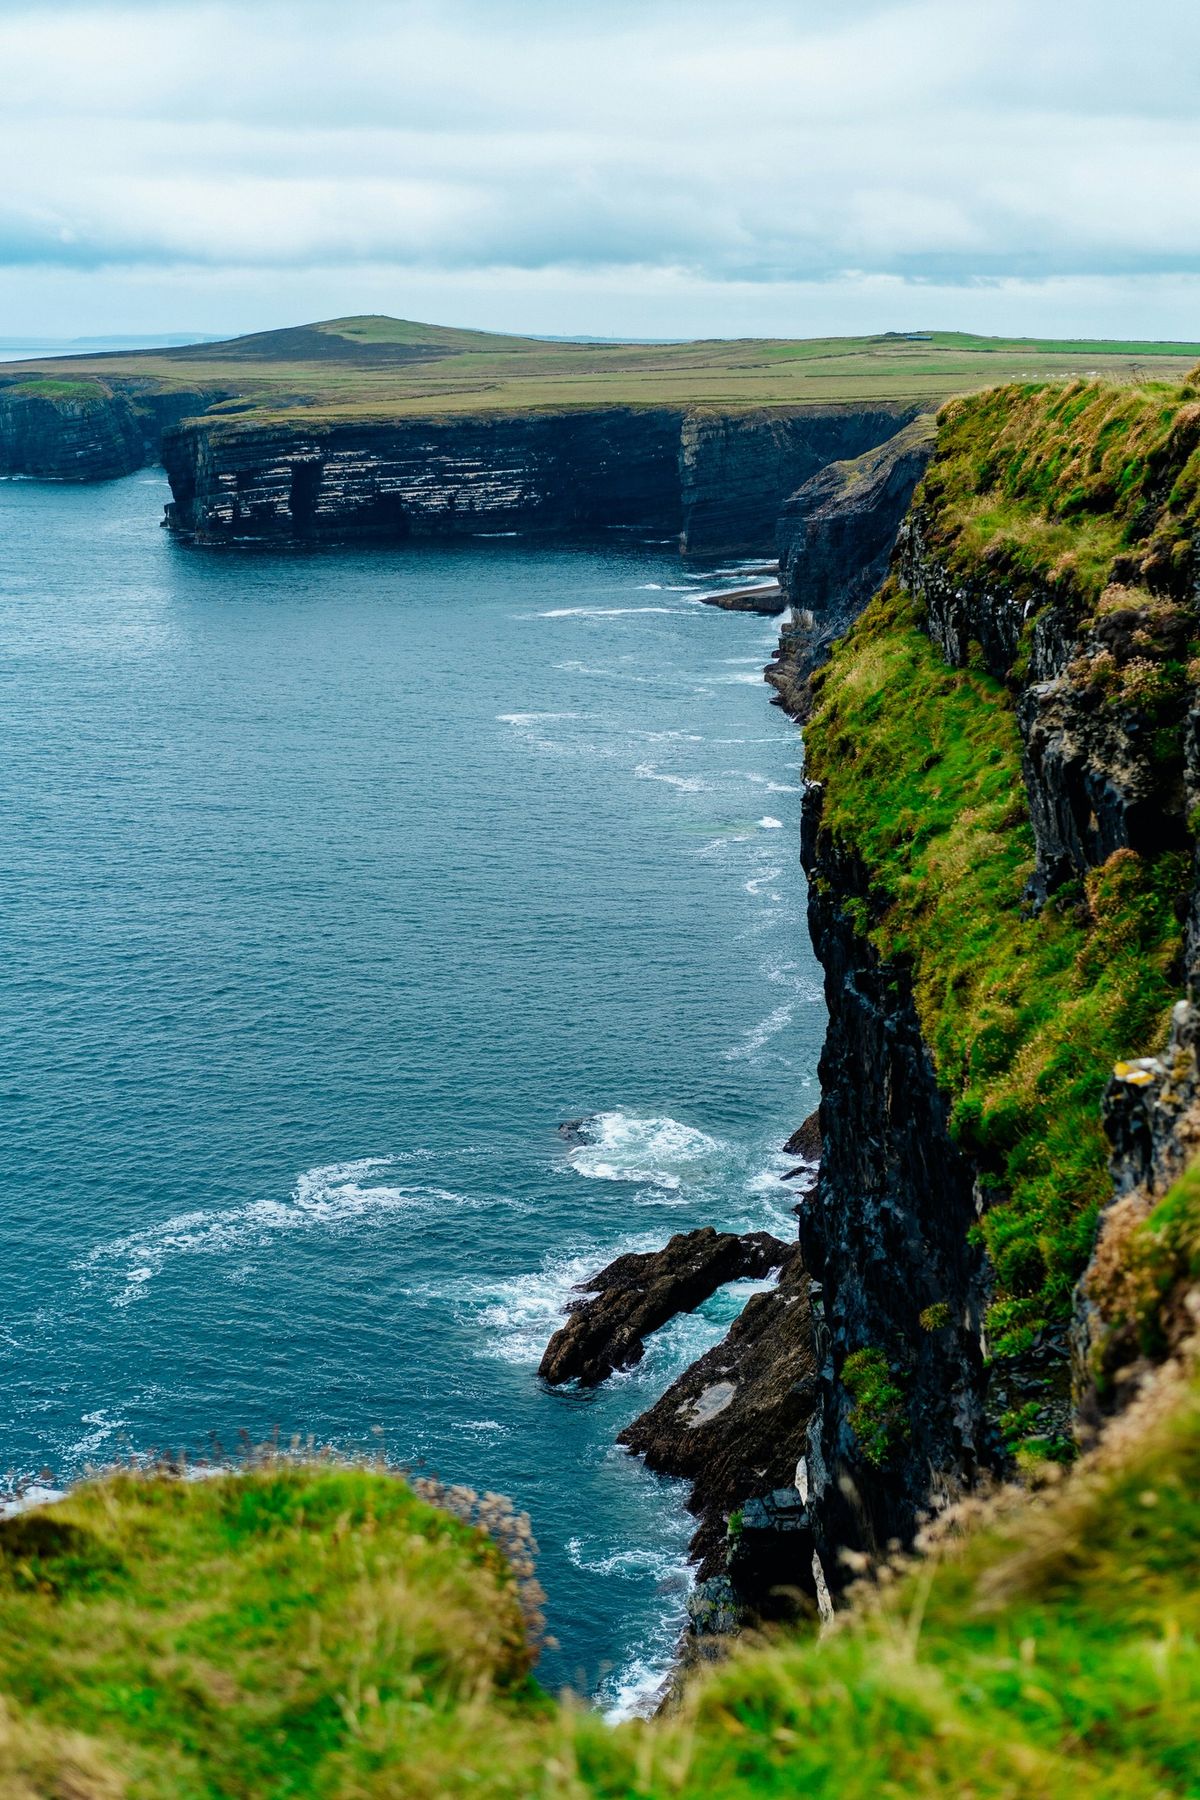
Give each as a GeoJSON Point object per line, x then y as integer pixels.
{"type": "Point", "coordinates": [665, 168]}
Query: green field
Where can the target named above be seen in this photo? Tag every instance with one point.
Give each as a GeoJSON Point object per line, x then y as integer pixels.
{"type": "Point", "coordinates": [375, 367]}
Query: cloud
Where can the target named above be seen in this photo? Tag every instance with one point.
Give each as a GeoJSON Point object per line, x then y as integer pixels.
{"type": "Point", "coordinates": [771, 144]}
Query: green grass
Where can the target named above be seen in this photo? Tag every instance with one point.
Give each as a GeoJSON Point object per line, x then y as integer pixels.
{"type": "Point", "coordinates": [316, 1632]}
{"type": "Point", "coordinates": [1024, 1016]}
{"type": "Point", "coordinates": [46, 387]}
{"type": "Point", "coordinates": [1052, 486]}
{"type": "Point", "coordinates": [366, 369]}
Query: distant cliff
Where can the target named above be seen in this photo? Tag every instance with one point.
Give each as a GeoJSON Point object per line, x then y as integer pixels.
{"type": "Point", "coordinates": [714, 479]}
{"type": "Point", "coordinates": [86, 429]}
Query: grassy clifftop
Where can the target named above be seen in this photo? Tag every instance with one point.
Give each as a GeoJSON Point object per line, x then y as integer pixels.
{"type": "Point", "coordinates": [376, 367]}
{"type": "Point", "coordinates": [310, 1632]}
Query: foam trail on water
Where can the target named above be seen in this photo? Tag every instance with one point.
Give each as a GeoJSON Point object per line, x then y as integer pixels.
{"type": "Point", "coordinates": [330, 1197]}
{"type": "Point", "coordinates": [660, 1151]}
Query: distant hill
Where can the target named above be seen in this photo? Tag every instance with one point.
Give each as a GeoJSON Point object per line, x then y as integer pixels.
{"type": "Point", "coordinates": [372, 366]}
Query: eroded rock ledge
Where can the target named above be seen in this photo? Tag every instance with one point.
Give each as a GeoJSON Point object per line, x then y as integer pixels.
{"type": "Point", "coordinates": [633, 1296]}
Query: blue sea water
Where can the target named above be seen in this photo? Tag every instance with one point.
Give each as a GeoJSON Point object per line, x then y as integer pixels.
{"type": "Point", "coordinates": [331, 885]}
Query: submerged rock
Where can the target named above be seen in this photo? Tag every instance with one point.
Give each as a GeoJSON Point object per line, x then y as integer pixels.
{"type": "Point", "coordinates": [637, 1293]}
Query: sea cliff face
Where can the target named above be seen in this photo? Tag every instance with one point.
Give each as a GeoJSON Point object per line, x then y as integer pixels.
{"type": "Point", "coordinates": [68, 431]}
{"type": "Point", "coordinates": [83, 429]}
{"type": "Point", "coordinates": [737, 469]}
{"type": "Point", "coordinates": [716, 480]}
{"type": "Point", "coordinates": [1003, 1242]}
{"type": "Point", "coordinates": [537, 472]}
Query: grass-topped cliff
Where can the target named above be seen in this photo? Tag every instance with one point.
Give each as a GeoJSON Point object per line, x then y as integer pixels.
{"type": "Point", "coordinates": [374, 367]}
{"type": "Point", "coordinates": [323, 1632]}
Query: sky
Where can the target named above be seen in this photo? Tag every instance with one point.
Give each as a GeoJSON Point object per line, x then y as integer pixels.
{"type": "Point", "coordinates": [664, 168]}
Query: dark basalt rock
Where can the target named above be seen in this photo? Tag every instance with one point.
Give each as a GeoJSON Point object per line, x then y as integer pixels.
{"type": "Point", "coordinates": [77, 437]}
{"type": "Point", "coordinates": [886, 1232]}
{"type": "Point", "coordinates": [715, 479]}
{"type": "Point", "coordinates": [736, 1426]}
{"type": "Point", "coordinates": [637, 1293]}
{"type": "Point", "coordinates": [737, 468]}
{"type": "Point", "coordinates": [835, 538]}
{"type": "Point", "coordinates": [806, 1139]}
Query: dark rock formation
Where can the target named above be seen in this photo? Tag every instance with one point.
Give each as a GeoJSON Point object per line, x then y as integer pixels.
{"type": "Point", "coordinates": [736, 468]}
{"type": "Point", "coordinates": [806, 1139]}
{"type": "Point", "coordinates": [86, 430]}
{"type": "Point", "coordinates": [716, 479]}
{"type": "Point", "coordinates": [637, 1293]}
{"type": "Point", "coordinates": [735, 1425]}
{"type": "Point", "coordinates": [886, 1232]}
{"type": "Point", "coordinates": [836, 536]}
{"type": "Point", "coordinates": [765, 597]}
{"type": "Point", "coordinates": [72, 431]}
{"type": "Point", "coordinates": [297, 483]}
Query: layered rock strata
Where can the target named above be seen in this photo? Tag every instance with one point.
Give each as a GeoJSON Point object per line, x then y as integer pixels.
{"type": "Point", "coordinates": [736, 468]}
{"type": "Point", "coordinates": [82, 432]}
{"type": "Point", "coordinates": [716, 480]}
{"type": "Point", "coordinates": [87, 430]}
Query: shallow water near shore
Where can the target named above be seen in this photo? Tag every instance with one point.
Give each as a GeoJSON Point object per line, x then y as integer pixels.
{"type": "Point", "coordinates": [333, 884]}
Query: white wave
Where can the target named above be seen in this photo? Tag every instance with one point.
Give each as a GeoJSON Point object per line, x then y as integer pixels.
{"type": "Point", "coordinates": [534, 718]}
{"type": "Point", "coordinates": [687, 784]}
{"type": "Point", "coordinates": [770, 824]}
{"type": "Point", "coordinates": [782, 787]}
{"type": "Point", "coordinates": [516, 1316]}
{"type": "Point", "coordinates": [331, 1197]}
{"type": "Point", "coordinates": [735, 679]}
{"type": "Point", "coordinates": [603, 612]}
{"type": "Point", "coordinates": [650, 587]}
{"type": "Point", "coordinates": [102, 1429]}
{"type": "Point", "coordinates": [630, 1561]}
{"type": "Point", "coordinates": [761, 1034]}
{"type": "Point", "coordinates": [757, 883]}
{"type": "Point", "coordinates": [659, 1151]}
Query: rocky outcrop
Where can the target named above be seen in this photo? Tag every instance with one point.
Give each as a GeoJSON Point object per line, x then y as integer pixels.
{"type": "Point", "coordinates": [835, 537]}
{"type": "Point", "coordinates": [736, 1426]}
{"type": "Point", "coordinates": [737, 468]}
{"type": "Point", "coordinates": [637, 1293]}
{"type": "Point", "coordinates": [1099, 772]}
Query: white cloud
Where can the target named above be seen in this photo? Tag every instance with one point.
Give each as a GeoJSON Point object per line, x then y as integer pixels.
{"type": "Point", "coordinates": [718, 149]}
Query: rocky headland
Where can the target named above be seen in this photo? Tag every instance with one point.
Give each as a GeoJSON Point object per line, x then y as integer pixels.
{"type": "Point", "coordinates": [990, 643]}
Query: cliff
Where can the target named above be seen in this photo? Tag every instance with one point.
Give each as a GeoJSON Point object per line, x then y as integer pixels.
{"type": "Point", "coordinates": [835, 538]}
{"type": "Point", "coordinates": [736, 469]}
{"type": "Point", "coordinates": [998, 838]}
{"type": "Point", "coordinates": [67, 431]}
{"type": "Point", "coordinates": [542, 472]}
{"type": "Point", "coordinates": [1003, 760]}
{"type": "Point", "coordinates": [81, 428]}
{"type": "Point", "coordinates": [715, 480]}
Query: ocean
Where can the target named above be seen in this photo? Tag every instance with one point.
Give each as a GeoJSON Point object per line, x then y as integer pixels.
{"type": "Point", "coordinates": [332, 885]}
